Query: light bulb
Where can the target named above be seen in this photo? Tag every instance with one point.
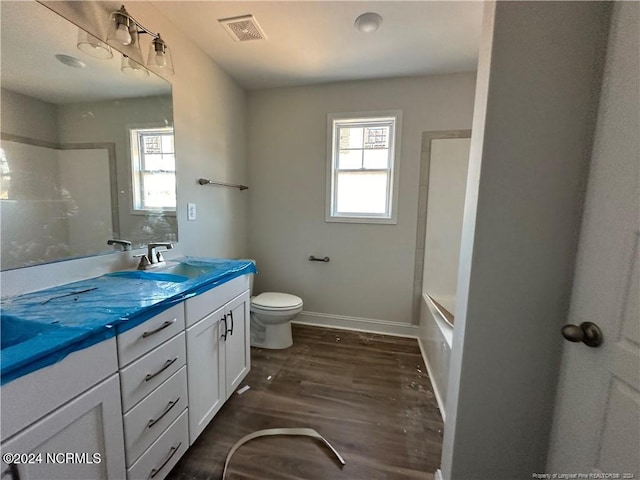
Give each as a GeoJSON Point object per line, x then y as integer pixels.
{"type": "Point", "coordinates": [123, 35]}
{"type": "Point", "coordinates": [160, 59]}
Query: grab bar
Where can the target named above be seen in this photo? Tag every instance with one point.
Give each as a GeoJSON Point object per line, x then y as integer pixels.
{"type": "Point", "coordinates": [316, 259]}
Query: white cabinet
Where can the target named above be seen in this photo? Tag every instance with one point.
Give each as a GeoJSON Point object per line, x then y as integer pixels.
{"type": "Point", "coordinates": [161, 384]}
{"type": "Point", "coordinates": [218, 357]}
{"type": "Point", "coordinates": [148, 335]}
{"type": "Point", "coordinates": [205, 373]}
{"type": "Point", "coordinates": [80, 440]}
{"type": "Point", "coordinates": [143, 376]}
{"type": "Point", "coordinates": [237, 342]}
{"type": "Point", "coordinates": [164, 453]}
{"type": "Point", "coordinates": [153, 379]}
{"type": "Point", "coordinates": [69, 408]}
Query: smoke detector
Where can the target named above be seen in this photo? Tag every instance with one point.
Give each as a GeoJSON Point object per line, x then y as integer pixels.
{"type": "Point", "coordinates": [243, 28]}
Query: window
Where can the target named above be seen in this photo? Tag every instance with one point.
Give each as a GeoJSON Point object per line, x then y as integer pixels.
{"type": "Point", "coordinates": [362, 173]}
{"type": "Point", "coordinates": [153, 169]}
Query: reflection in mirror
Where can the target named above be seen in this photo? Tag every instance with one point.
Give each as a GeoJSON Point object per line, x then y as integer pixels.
{"type": "Point", "coordinates": [86, 150]}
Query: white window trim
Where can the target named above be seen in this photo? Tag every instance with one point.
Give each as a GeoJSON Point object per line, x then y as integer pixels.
{"type": "Point", "coordinates": [132, 210]}
{"type": "Point", "coordinates": [392, 219]}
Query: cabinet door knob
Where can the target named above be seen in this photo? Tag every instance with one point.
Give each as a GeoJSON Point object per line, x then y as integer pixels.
{"type": "Point", "coordinates": [587, 332]}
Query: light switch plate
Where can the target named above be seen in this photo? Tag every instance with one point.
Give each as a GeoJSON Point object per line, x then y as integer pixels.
{"type": "Point", "coordinates": [191, 211]}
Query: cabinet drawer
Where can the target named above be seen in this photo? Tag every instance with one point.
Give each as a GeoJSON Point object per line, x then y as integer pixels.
{"type": "Point", "coordinates": [202, 305]}
{"type": "Point", "coordinates": [50, 387]}
{"type": "Point", "coordinates": [147, 420]}
{"type": "Point", "coordinates": [164, 453]}
{"type": "Point", "coordinates": [148, 335]}
{"type": "Point", "coordinates": [148, 372]}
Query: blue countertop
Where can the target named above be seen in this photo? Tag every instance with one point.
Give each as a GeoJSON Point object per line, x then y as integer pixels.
{"type": "Point", "coordinates": [43, 327]}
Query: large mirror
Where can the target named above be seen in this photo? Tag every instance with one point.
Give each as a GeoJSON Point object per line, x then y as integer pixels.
{"type": "Point", "coordinates": [86, 149]}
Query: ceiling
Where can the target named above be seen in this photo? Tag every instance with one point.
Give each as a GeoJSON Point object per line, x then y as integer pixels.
{"type": "Point", "coordinates": [311, 42]}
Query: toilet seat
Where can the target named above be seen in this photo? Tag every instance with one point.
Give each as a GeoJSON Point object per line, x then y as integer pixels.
{"type": "Point", "coordinates": [274, 301]}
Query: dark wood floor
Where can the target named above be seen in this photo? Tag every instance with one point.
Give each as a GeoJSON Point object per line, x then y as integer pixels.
{"type": "Point", "coordinates": [369, 395]}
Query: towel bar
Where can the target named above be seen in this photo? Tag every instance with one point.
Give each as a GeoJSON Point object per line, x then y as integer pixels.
{"type": "Point", "coordinates": [204, 181]}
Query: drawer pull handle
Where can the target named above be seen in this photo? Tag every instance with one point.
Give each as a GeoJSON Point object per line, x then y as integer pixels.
{"type": "Point", "coordinates": [171, 404]}
{"type": "Point", "coordinates": [166, 324]}
{"type": "Point", "coordinates": [166, 365]}
{"type": "Point", "coordinates": [231, 330]}
{"type": "Point", "coordinates": [172, 452]}
{"type": "Point", "coordinates": [224, 332]}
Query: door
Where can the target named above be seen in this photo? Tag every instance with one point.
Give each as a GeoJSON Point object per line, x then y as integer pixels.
{"type": "Point", "coordinates": [205, 371]}
{"type": "Point", "coordinates": [597, 420]}
{"type": "Point", "coordinates": [238, 356]}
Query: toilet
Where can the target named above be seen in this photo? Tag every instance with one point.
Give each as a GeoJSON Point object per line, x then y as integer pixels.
{"type": "Point", "coordinates": [271, 315]}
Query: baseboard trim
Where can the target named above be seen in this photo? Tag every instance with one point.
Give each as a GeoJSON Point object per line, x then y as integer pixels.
{"type": "Point", "coordinates": [438, 475]}
{"type": "Point", "coordinates": [357, 323]}
{"type": "Point", "coordinates": [433, 385]}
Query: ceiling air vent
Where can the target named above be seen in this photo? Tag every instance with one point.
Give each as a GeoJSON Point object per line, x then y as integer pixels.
{"type": "Point", "coordinates": [243, 28]}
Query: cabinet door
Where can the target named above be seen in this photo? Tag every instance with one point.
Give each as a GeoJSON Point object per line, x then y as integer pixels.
{"type": "Point", "coordinates": [238, 351]}
{"type": "Point", "coordinates": [82, 439]}
{"type": "Point", "coordinates": [205, 371]}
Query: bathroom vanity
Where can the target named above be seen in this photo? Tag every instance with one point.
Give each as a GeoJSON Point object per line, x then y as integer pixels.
{"type": "Point", "coordinates": [129, 405]}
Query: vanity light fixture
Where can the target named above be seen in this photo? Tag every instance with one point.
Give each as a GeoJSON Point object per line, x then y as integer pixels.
{"type": "Point", "coordinates": [368, 22]}
{"type": "Point", "coordinates": [132, 68]}
{"type": "Point", "coordinates": [125, 30]}
{"type": "Point", "coordinates": [93, 46]}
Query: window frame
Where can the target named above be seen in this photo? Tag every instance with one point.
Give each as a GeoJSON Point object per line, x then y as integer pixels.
{"type": "Point", "coordinates": [334, 120]}
{"type": "Point", "coordinates": [135, 167]}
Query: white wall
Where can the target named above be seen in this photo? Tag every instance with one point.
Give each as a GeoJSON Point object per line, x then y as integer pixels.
{"type": "Point", "coordinates": [445, 207]}
{"type": "Point", "coordinates": [371, 271]}
{"type": "Point", "coordinates": [90, 224]}
{"type": "Point", "coordinates": [537, 90]}
{"type": "Point", "coordinates": [209, 115]}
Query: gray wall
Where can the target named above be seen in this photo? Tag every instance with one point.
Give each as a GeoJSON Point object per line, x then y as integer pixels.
{"type": "Point", "coordinates": [109, 122]}
{"type": "Point", "coordinates": [371, 272]}
{"type": "Point", "coordinates": [28, 117]}
{"type": "Point", "coordinates": [535, 102]}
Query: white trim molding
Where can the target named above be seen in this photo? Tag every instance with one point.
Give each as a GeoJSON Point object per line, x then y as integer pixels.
{"type": "Point", "coordinates": [342, 322]}
{"type": "Point", "coordinates": [436, 392]}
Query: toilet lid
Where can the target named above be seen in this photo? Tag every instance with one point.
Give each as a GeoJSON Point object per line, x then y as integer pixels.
{"type": "Point", "coordinates": [275, 300]}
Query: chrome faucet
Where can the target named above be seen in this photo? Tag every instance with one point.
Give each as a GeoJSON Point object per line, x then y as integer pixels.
{"type": "Point", "coordinates": [156, 257]}
{"type": "Point", "coordinates": [153, 258]}
{"type": "Point", "coordinates": [125, 244]}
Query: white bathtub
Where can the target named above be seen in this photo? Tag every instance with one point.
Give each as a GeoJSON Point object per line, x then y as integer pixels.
{"type": "Point", "coordinates": [436, 337]}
